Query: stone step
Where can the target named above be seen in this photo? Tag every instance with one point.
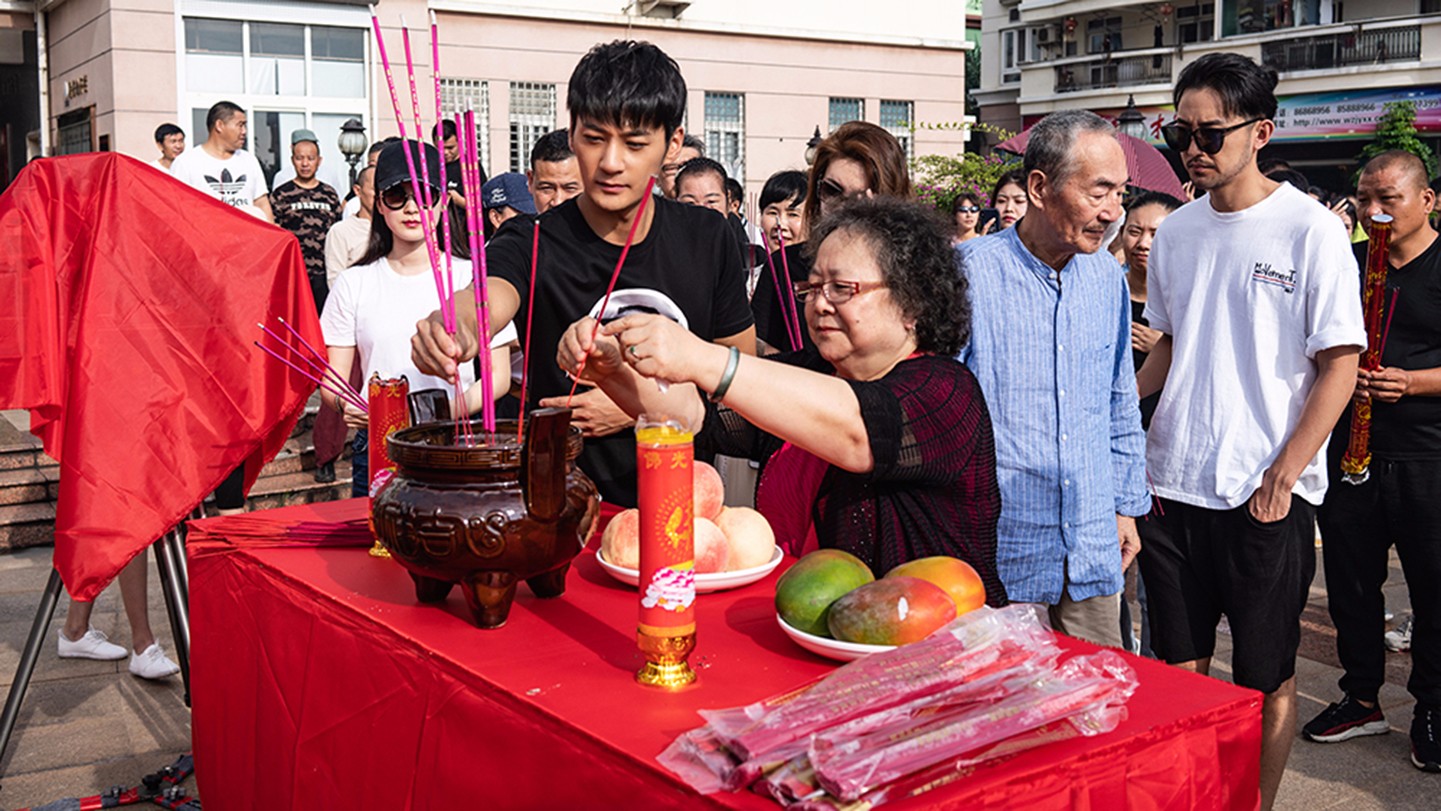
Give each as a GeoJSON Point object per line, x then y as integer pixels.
{"type": "Point", "coordinates": [26, 525]}
{"type": "Point", "coordinates": [29, 485]}
{"type": "Point", "coordinates": [299, 488]}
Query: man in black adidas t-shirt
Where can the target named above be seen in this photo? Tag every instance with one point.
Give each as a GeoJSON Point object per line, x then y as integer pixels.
{"type": "Point", "coordinates": [626, 102]}
{"type": "Point", "coordinates": [1400, 501]}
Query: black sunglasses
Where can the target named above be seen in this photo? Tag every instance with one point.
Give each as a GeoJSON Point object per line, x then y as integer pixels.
{"type": "Point", "coordinates": [395, 197]}
{"type": "Point", "coordinates": [968, 209]}
{"type": "Point", "coordinates": [1208, 139]}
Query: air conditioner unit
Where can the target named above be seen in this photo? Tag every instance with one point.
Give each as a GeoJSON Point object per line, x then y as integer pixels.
{"type": "Point", "coordinates": [1044, 36]}
{"type": "Point", "coordinates": [662, 8]}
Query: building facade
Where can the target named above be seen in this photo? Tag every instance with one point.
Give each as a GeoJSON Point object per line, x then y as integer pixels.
{"type": "Point", "coordinates": [1339, 64]}
{"type": "Point", "coordinates": [763, 77]}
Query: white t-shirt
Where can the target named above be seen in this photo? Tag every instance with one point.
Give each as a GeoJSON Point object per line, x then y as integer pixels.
{"type": "Point", "coordinates": [236, 181]}
{"type": "Point", "coordinates": [352, 207]}
{"type": "Point", "coordinates": [1248, 297]}
{"type": "Point", "coordinates": [159, 164]}
{"type": "Point", "coordinates": [374, 309]}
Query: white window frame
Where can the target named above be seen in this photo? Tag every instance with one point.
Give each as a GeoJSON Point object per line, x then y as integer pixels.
{"type": "Point", "coordinates": [905, 134]}
{"type": "Point", "coordinates": [716, 129]}
{"type": "Point", "coordinates": [1011, 53]}
{"type": "Point", "coordinates": [858, 106]}
{"type": "Point", "coordinates": [526, 127]}
{"type": "Point", "coordinates": [458, 94]}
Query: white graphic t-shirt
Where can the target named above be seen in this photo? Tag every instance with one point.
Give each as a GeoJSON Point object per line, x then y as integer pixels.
{"type": "Point", "coordinates": [237, 181]}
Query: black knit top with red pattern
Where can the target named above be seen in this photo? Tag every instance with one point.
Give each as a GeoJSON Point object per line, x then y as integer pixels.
{"type": "Point", "coordinates": [932, 490]}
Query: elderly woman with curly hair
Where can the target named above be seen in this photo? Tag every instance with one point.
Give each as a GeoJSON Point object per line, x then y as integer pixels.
{"type": "Point", "coordinates": [879, 443]}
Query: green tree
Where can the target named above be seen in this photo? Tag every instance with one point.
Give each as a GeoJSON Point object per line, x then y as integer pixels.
{"type": "Point", "coordinates": [1397, 130]}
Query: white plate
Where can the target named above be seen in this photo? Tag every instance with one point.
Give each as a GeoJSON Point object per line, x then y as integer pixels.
{"type": "Point", "coordinates": [831, 648]}
{"type": "Point", "coordinates": [704, 583]}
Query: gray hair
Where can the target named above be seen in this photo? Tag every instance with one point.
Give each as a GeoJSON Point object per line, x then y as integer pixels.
{"type": "Point", "coordinates": [1049, 148]}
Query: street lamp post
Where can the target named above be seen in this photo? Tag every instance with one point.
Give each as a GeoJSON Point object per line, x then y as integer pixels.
{"type": "Point", "coordinates": [352, 143]}
{"type": "Point", "coordinates": [1131, 122]}
{"type": "Point", "coordinates": [811, 145]}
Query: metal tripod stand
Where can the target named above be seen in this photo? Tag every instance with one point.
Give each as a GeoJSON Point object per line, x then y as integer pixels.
{"type": "Point", "coordinates": [174, 584]}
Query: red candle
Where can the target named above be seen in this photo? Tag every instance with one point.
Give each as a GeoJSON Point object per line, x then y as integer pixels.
{"type": "Point", "coordinates": [388, 414]}
{"type": "Point", "coordinates": [665, 454]}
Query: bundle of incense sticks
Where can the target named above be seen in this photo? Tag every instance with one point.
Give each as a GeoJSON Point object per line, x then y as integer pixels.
{"type": "Point", "coordinates": [529, 321]}
{"type": "Point", "coordinates": [318, 370]}
{"type": "Point", "coordinates": [474, 209]}
{"type": "Point", "coordinates": [784, 293]}
{"type": "Point", "coordinates": [421, 190]}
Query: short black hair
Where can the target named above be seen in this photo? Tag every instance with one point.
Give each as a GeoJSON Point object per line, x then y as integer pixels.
{"type": "Point", "coordinates": [1291, 176]}
{"type": "Point", "coordinates": [700, 166]}
{"type": "Point", "coordinates": [165, 131]}
{"type": "Point", "coordinates": [692, 142]}
{"type": "Point", "coordinates": [221, 111]}
{"type": "Point", "coordinates": [552, 147]}
{"type": "Point", "coordinates": [734, 191]}
{"type": "Point", "coordinates": [627, 84]}
{"type": "Point", "coordinates": [1265, 166]}
{"type": "Point", "coordinates": [912, 245]}
{"type": "Point", "coordinates": [445, 126]}
{"type": "Point", "coordinates": [782, 186]}
{"type": "Point", "coordinates": [1152, 198]}
{"type": "Point", "coordinates": [379, 145]}
{"type": "Point", "coordinates": [1247, 90]}
{"type": "Point", "coordinates": [1011, 177]}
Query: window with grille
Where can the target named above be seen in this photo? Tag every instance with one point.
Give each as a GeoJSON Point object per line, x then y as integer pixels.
{"type": "Point", "coordinates": [725, 132]}
{"type": "Point", "coordinates": [532, 114]}
{"type": "Point", "coordinates": [898, 118]}
{"type": "Point", "coordinates": [843, 110]}
{"type": "Point", "coordinates": [459, 95]}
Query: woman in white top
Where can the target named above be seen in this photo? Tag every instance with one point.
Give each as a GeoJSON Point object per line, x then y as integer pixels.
{"type": "Point", "coordinates": [372, 310]}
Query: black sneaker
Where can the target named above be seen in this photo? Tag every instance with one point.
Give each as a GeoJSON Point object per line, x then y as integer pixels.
{"type": "Point", "coordinates": [325, 474]}
{"type": "Point", "coordinates": [1344, 720]}
{"type": "Point", "coordinates": [1426, 739]}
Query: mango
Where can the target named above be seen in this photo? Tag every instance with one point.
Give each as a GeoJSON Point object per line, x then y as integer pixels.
{"type": "Point", "coordinates": [807, 589]}
{"type": "Point", "coordinates": [890, 611]}
{"type": "Point", "coordinates": [953, 575]}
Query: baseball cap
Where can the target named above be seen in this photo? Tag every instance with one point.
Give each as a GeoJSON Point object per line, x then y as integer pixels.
{"type": "Point", "coordinates": [391, 167]}
{"type": "Point", "coordinates": [509, 189]}
{"type": "Point", "coordinates": [303, 135]}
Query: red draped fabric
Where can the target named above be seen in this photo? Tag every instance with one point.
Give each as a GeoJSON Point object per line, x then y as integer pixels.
{"type": "Point", "coordinates": [131, 301]}
{"type": "Point", "coordinates": [319, 682]}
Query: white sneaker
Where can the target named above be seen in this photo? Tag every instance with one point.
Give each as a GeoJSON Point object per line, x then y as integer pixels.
{"type": "Point", "coordinates": [152, 663]}
{"type": "Point", "coordinates": [1400, 639]}
{"type": "Point", "coordinates": [93, 645]}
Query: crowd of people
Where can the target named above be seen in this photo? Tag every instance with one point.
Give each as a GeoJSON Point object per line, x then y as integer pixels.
{"type": "Point", "coordinates": [1053, 383]}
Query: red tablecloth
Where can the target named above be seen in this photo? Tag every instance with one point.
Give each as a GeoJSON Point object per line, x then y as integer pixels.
{"type": "Point", "coordinates": [319, 682]}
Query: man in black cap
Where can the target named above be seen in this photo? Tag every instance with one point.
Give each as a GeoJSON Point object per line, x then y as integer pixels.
{"type": "Point", "coordinates": [505, 197]}
{"type": "Point", "coordinates": [307, 207]}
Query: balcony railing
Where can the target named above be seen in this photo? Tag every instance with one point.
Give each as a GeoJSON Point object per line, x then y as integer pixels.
{"type": "Point", "coordinates": [1114, 71]}
{"type": "Point", "coordinates": [1344, 48]}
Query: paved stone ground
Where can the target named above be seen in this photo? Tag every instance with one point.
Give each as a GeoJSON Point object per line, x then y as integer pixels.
{"type": "Point", "coordinates": [89, 725]}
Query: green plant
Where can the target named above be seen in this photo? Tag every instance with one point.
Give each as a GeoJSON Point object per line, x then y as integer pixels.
{"type": "Point", "coordinates": [939, 179]}
{"type": "Point", "coordinates": [1396, 129]}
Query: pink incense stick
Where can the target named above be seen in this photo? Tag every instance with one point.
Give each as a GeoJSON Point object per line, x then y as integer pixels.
{"type": "Point", "coordinates": [790, 298]}
{"type": "Point", "coordinates": [420, 188]}
{"type": "Point", "coordinates": [529, 319]}
{"type": "Point", "coordinates": [440, 132]}
{"type": "Point", "coordinates": [323, 362]}
{"type": "Point", "coordinates": [409, 159]}
{"type": "Point", "coordinates": [614, 276]}
{"type": "Point", "coordinates": [479, 275]}
{"type": "Point", "coordinates": [780, 294]}
{"type": "Point", "coordinates": [322, 374]}
{"type": "Point", "coordinates": [323, 384]}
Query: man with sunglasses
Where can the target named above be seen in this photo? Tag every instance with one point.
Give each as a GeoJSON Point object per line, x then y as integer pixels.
{"type": "Point", "coordinates": [1051, 346]}
{"type": "Point", "coordinates": [1254, 288]}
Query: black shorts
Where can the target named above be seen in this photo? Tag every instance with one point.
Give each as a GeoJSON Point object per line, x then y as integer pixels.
{"type": "Point", "coordinates": [1200, 563]}
{"type": "Point", "coordinates": [230, 495]}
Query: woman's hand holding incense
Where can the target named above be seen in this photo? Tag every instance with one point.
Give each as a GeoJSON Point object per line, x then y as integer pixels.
{"type": "Point", "coordinates": [657, 347]}
{"type": "Point", "coordinates": [354, 417]}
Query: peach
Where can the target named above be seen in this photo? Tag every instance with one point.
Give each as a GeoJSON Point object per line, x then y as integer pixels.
{"type": "Point", "coordinates": [709, 491]}
{"type": "Point", "coordinates": [752, 540]}
{"type": "Point", "coordinates": [712, 551]}
{"type": "Point", "coordinates": [620, 544]}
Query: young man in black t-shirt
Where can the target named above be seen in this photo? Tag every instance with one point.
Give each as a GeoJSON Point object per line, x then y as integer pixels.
{"type": "Point", "coordinates": [1400, 502]}
{"type": "Point", "coordinates": [626, 102]}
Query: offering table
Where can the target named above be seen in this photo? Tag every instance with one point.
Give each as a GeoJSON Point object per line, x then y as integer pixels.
{"type": "Point", "coordinates": [318, 681]}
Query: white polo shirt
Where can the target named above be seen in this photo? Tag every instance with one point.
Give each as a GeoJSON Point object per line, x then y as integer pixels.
{"type": "Point", "coordinates": [1248, 297]}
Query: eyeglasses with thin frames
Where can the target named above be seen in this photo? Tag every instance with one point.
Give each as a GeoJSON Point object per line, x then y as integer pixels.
{"type": "Point", "coordinates": [1208, 139]}
{"type": "Point", "coordinates": [836, 291]}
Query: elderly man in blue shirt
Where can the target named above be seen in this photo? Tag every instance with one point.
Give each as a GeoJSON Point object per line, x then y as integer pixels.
{"type": "Point", "coordinates": [1050, 345]}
